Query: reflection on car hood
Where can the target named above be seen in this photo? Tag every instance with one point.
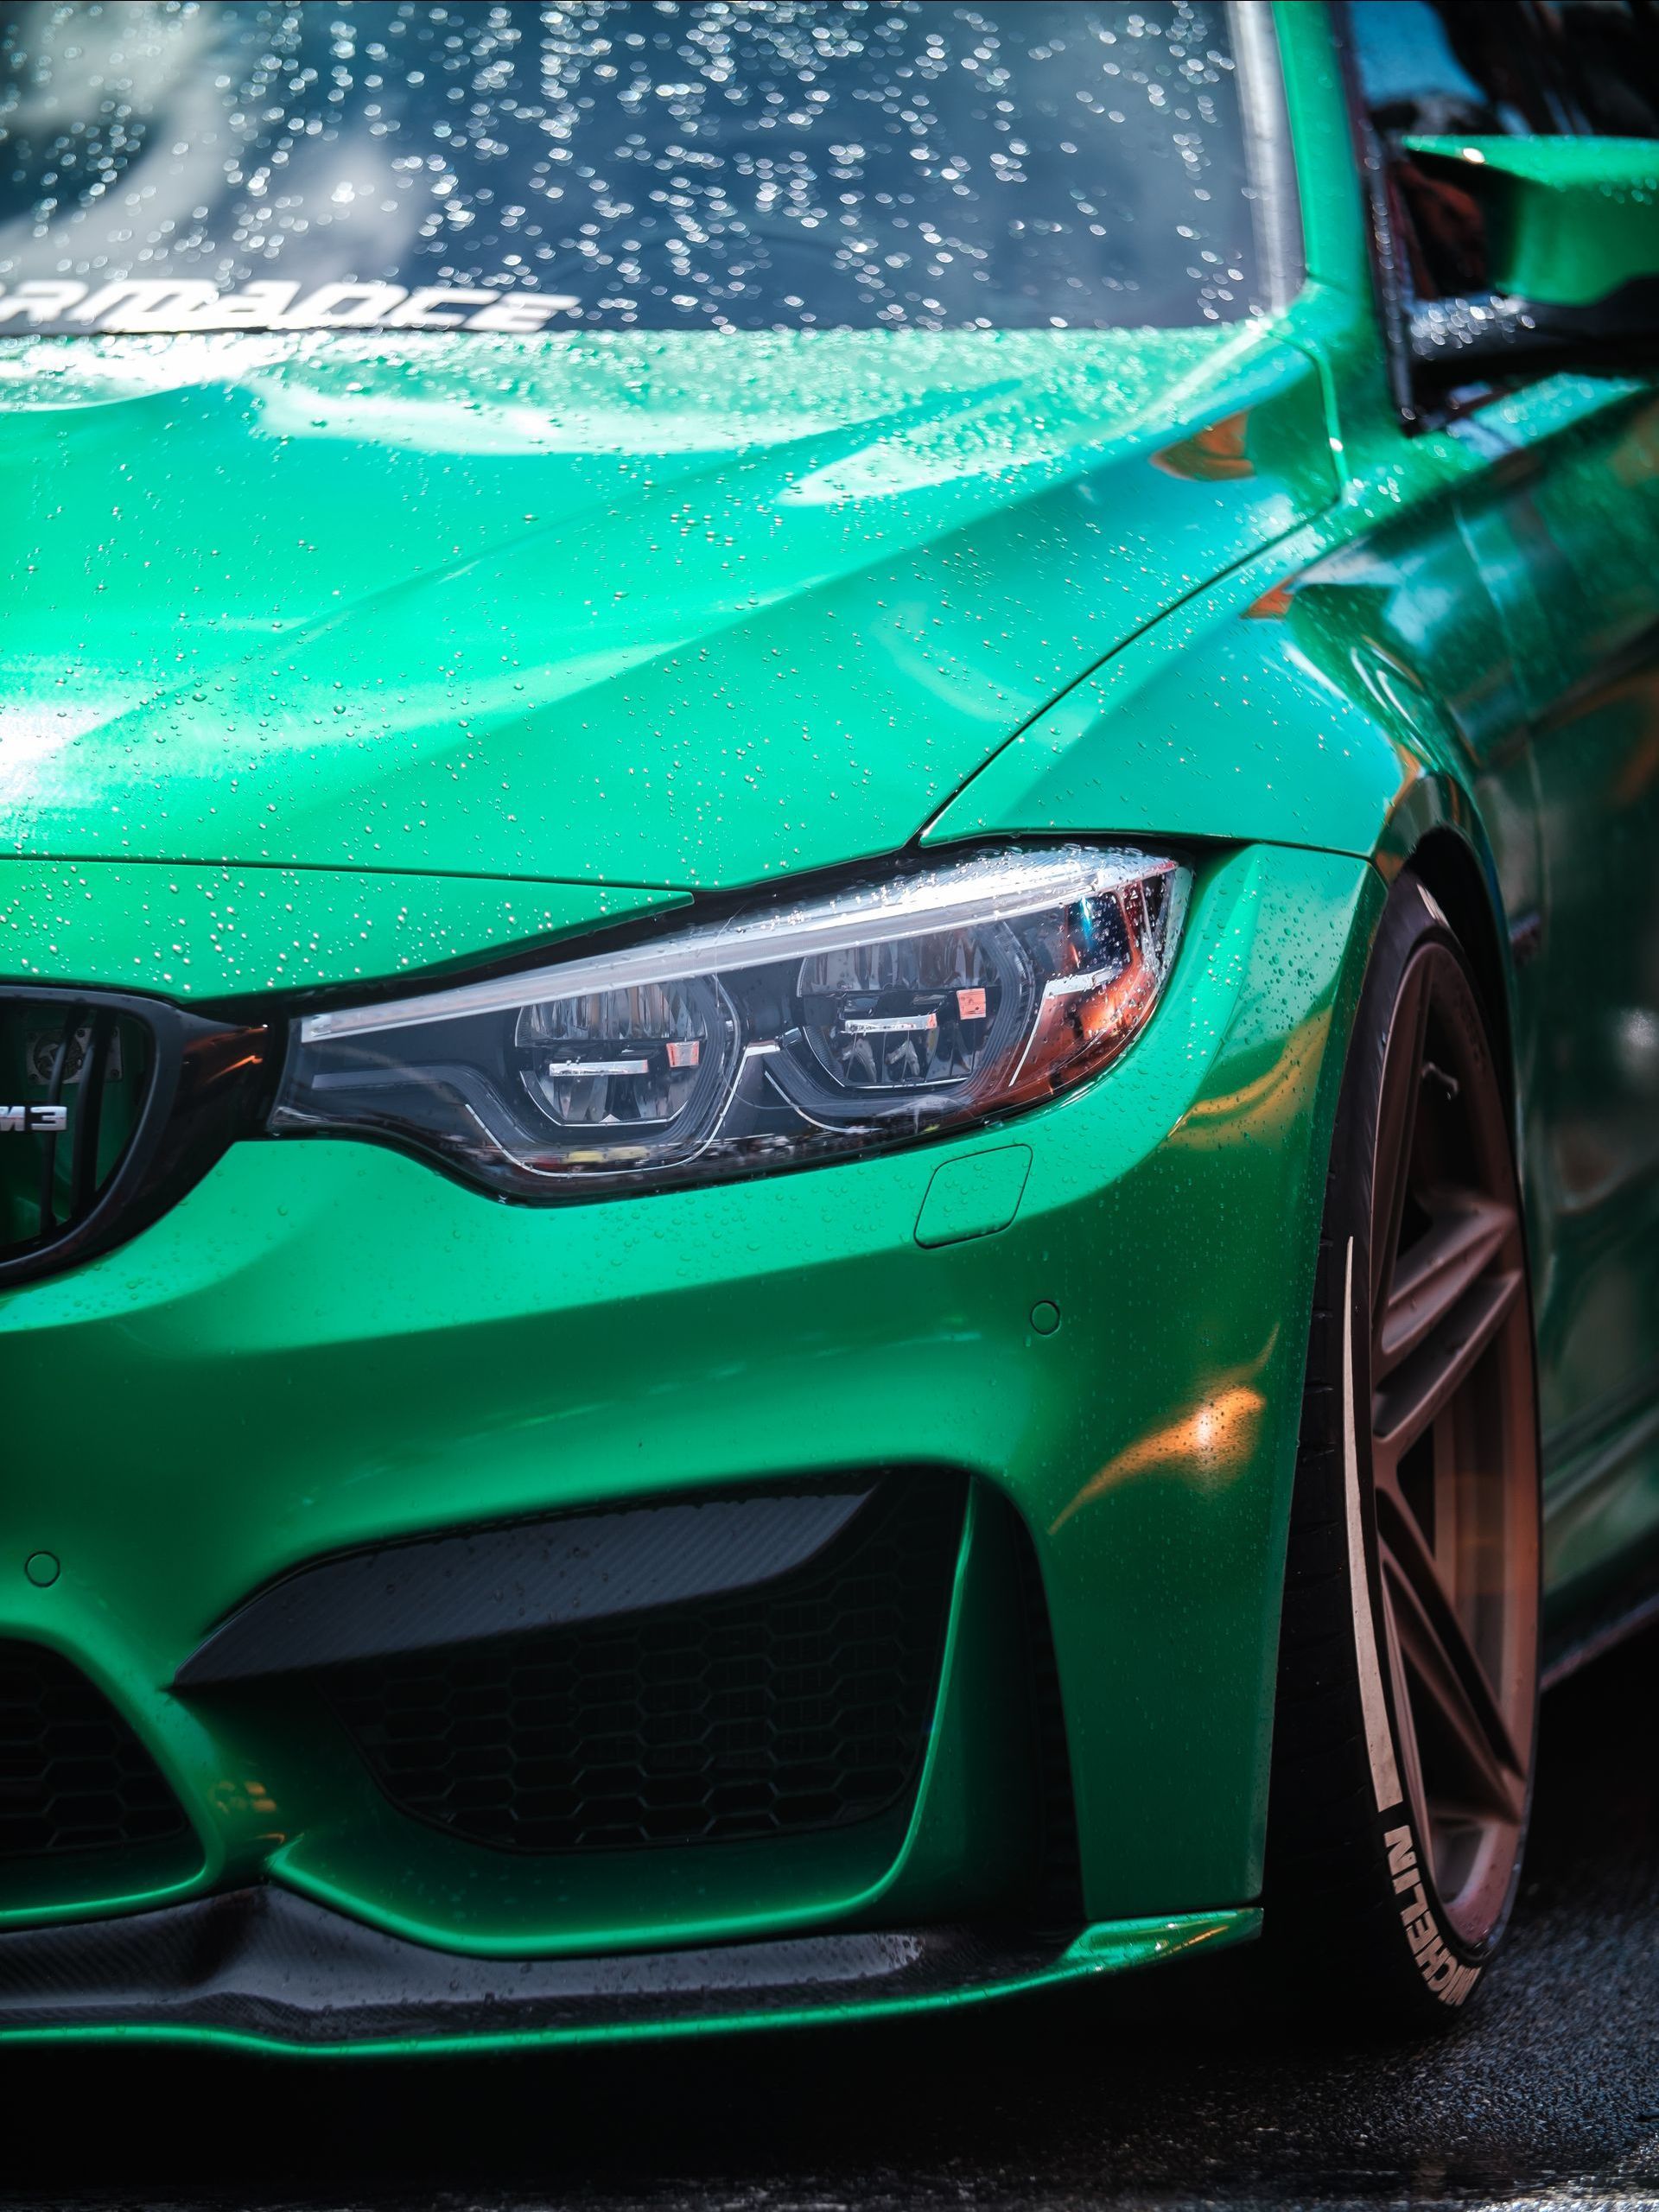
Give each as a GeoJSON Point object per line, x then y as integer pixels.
{"type": "Point", "coordinates": [647, 610]}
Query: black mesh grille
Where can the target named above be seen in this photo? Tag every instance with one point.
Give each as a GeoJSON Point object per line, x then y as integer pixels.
{"type": "Point", "coordinates": [73, 1775]}
{"type": "Point", "coordinates": [803, 1704]}
{"type": "Point", "coordinates": [73, 1077]}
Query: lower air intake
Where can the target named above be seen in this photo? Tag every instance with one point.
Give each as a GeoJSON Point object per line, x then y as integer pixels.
{"type": "Point", "coordinates": [803, 1703]}
{"type": "Point", "coordinates": [74, 1778]}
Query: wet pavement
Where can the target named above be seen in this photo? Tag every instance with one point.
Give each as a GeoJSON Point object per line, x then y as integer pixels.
{"type": "Point", "coordinates": [1175, 2092]}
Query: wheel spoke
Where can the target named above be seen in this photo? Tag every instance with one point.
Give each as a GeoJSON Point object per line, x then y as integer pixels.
{"type": "Point", "coordinates": [1467, 1233]}
{"type": "Point", "coordinates": [1422, 1384]}
{"type": "Point", "coordinates": [1414, 1571]}
{"type": "Point", "coordinates": [1396, 1115]}
{"type": "Point", "coordinates": [1468, 1770]}
{"type": "Point", "coordinates": [1406, 1733]}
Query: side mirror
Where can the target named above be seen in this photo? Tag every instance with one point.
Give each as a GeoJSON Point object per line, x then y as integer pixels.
{"type": "Point", "coordinates": [1571, 229]}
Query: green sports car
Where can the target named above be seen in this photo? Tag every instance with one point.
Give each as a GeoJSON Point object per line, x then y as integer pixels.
{"type": "Point", "coordinates": [829, 1141]}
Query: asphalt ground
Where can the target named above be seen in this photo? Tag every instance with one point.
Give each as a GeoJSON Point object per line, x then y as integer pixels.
{"type": "Point", "coordinates": [1176, 2089]}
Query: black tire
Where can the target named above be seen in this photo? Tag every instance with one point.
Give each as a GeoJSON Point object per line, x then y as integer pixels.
{"type": "Point", "coordinates": [1403, 1763]}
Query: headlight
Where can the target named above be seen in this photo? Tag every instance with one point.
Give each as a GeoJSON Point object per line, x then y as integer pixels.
{"type": "Point", "coordinates": [881, 1016]}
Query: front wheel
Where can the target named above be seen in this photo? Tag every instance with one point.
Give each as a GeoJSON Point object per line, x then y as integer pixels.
{"type": "Point", "coordinates": [1409, 1662]}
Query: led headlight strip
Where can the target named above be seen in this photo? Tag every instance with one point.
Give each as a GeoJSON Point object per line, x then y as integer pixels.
{"type": "Point", "coordinates": [881, 1014]}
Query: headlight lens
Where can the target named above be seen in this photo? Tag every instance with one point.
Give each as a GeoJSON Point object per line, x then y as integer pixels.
{"type": "Point", "coordinates": [881, 1016]}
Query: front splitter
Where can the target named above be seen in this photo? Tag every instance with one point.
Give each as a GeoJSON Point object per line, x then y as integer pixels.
{"type": "Point", "coordinates": [264, 1968]}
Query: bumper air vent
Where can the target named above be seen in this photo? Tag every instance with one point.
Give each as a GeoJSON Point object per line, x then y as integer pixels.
{"type": "Point", "coordinates": [1058, 1899]}
{"type": "Point", "coordinates": [802, 1703]}
{"type": "Point", "coordinates": [74, 1778]}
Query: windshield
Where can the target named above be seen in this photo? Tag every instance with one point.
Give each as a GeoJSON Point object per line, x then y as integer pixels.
{"type": "Point", "coordinates": [212, 164]}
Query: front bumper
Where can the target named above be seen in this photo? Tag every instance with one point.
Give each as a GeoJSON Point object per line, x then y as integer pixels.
{"type": "Point", "coordinates": [325, 1347]}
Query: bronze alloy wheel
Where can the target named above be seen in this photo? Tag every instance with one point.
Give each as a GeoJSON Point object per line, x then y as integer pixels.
{"type": "Point", "coordinates": [1454, 1468]}
{"type": "Point", "coordinates": [1408, 1655]}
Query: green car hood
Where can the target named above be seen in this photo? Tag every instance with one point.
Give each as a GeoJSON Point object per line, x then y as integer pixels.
{"type": "Point", "coordinates": [653, 611]}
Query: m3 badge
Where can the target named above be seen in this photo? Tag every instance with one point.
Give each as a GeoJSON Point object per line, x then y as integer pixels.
{"type": "Point", "coordinates": [34, 1120]}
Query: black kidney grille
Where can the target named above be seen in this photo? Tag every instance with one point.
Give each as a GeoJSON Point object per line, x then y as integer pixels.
{"type": "Point", "coordinates": [73, 1775]}
{"type": "Point", "coordinates": [73, 1077]}
{"type": "Point", "coordinates": [803, 1704]}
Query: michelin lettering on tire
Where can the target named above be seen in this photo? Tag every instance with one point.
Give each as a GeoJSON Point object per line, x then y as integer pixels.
{"type": "Point", "coordinates": [1444, 1975]}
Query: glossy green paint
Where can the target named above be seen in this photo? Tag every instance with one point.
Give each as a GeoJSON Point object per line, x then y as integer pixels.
{"type": "Point", "coordinates": [1566, 529]}
{"type": "Point", "coordinates": [194, 932]}
{"type": "Point", "coordinates": [662, 610]}
{"type": "Point", "coordinates": [1569, 220]}
{"type": "Point", "coordinates": [486, 642]}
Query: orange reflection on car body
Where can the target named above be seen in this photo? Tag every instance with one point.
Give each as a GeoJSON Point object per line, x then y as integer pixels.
{"type": "Point", "coordinates": [1273, 604]}
{"type": "Point", "coordinates": [1211, 1442]}
{"type": "Point", "coordinates": [1215, 454]}
{"type": "Point", "coordinates": [1266, 1104]}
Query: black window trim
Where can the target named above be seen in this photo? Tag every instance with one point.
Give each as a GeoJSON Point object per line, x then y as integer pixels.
{"type": "Point", "coordinates": [1382, 240]}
